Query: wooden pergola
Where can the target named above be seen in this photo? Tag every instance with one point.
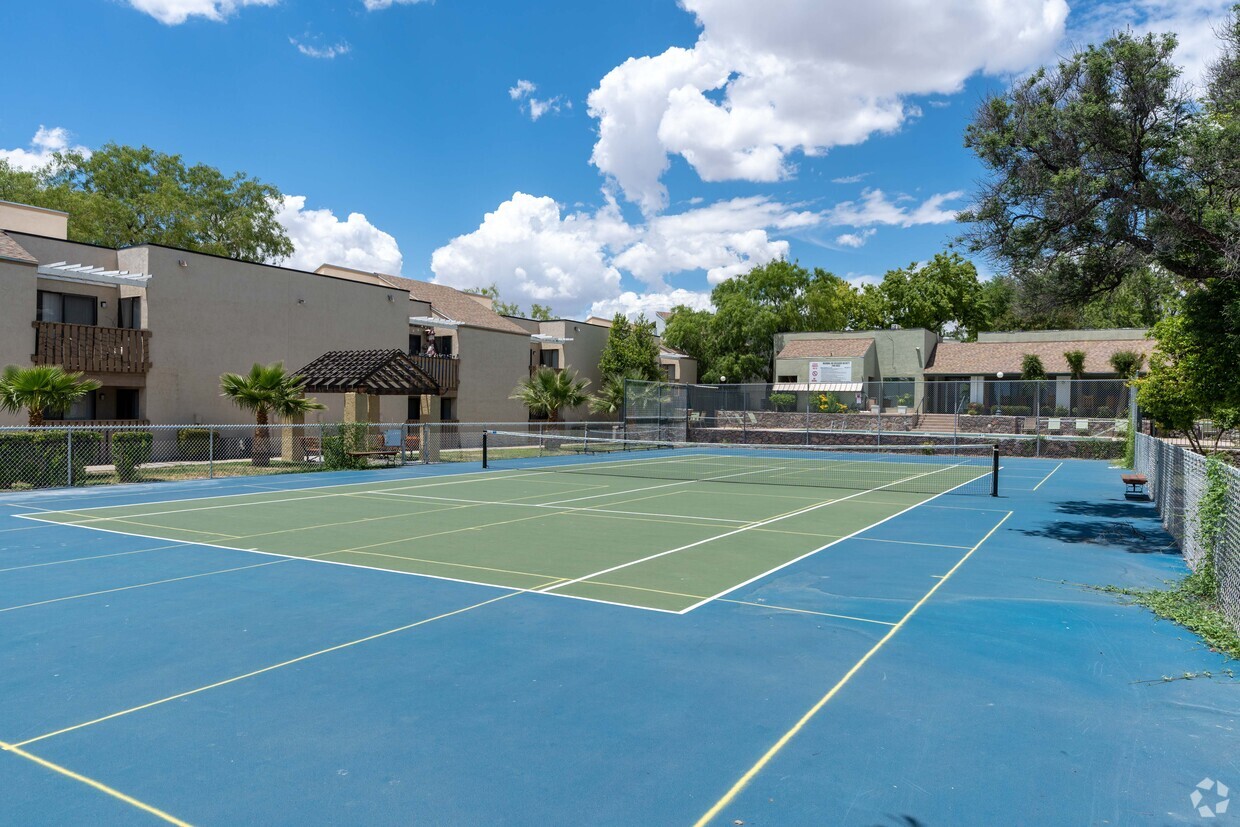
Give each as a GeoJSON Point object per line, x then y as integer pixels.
{"type": "Point", "coordinates": [372, 372]}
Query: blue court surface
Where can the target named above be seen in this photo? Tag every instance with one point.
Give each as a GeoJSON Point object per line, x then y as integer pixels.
{"type": "Point", "coordinates": [938, 663]}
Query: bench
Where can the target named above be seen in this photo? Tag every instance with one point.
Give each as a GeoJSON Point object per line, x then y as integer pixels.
{"type": "Point", "coordinates": [1135, 483]}
{"type": "Point", "coordinates": [386, 453]}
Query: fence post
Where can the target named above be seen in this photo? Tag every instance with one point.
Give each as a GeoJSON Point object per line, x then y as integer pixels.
{"type": "Point", "coordinates": [484, 449]}
{"type": "Point", "coordinates": [424, 440]}
{"type": "Point", "coordinates": [1037, 418]}
{"type": "Point", "coordinates": [210, 452]}
{"type": "Point", "coordinates": [879, 431]}
{"type": "Point", "coordinates": [69, 454]}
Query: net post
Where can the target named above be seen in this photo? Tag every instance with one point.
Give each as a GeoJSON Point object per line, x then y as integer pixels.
{"type": "Point", "coordinates": [994, 471]}
{"type": "Point", "coordinates": [484, 450]}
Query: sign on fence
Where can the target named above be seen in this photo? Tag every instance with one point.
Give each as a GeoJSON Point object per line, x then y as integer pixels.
{"type": "Point", "coordinates": [834, 371]}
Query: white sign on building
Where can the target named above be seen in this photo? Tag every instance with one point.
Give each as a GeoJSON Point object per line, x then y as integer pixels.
{"type": "Point", "coordinates": [836, 371]}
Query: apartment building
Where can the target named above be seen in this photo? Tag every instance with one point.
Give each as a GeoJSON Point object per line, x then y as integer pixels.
{"type": "Point", "coordinates": [914, 367]}
{"type": "Point", "coordinates": [157, 326]}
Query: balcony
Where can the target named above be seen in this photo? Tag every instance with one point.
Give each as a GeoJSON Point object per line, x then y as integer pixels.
{"type": "Point", "coordinates": [445, 370]}
{"type": "Point", "coordinates": [92, 349]}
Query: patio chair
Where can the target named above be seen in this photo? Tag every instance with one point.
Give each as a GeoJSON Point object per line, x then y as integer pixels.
{"type": "Point", "coordinates": [1054, 425]}
{"type": "Point", "coordinates": [1082, 425]}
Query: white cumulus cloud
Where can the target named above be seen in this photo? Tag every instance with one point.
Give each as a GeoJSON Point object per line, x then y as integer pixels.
{"type": "Point", "coordinates": [176, 12]}
{"type": "Point", "coordinates": [534, 251]}
{"type": "Point", "coordinates": [319, 237]}
{"type": "Point", "coordinates": [321, 52]}
{"type": "Point", "coordinates": [42, 145]}
{"type": "Point", "coordinates": [535, 107]}
{"type": "Point", "coordinates": [876, 208]}
{"type": "Point", "coordinates": [767, 80]}
{"type": "Point", "coordinates": [855, 239]}
{"type": "Point", "coordinates": [631, 304]}
{"type": "Point", "coordinates": [1194, 23]}
{"type": "Point", "coordinates": [376, 5]}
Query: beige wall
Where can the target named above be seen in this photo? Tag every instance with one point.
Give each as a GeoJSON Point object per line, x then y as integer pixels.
{"type": "Point", "coordinates": [17, 311]}
{"type": "Point", "coordinates": [37, 220]}
{"type": "Point", "coordinates": [492, 363]}
{"type": "Point", "coordinates": [216, 315]}
{"type": "Point", "coordinates": [580, 356]}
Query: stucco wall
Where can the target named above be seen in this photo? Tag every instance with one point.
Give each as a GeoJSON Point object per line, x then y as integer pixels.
{"type": "Point", "coordinates": [17, 310]}
{"type": "Point", "coordinates": [492, 363]}
{"type": "Point", "coordinates": [217, 315]}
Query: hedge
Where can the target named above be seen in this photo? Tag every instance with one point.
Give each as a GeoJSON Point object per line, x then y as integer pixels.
{"type": "Point", "coordinates": [40, 459]}
{"type": "Point", "coordinates": [129, 450]}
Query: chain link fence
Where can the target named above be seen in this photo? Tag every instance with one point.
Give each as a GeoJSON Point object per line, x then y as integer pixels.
{"type": "Point", "coordinates": [1177, 481]}
{"type": "Point", "coordinates": [54, 457]}
{"type": "Point", "coordinates": [1028, 414]}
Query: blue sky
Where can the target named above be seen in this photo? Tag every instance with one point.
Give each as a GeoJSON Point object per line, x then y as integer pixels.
{"type": "Point", "coordinates": [827, 132]}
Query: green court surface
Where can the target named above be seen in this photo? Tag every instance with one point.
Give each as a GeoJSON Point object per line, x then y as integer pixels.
{"type": "Point", "coordinates": [641, 542]}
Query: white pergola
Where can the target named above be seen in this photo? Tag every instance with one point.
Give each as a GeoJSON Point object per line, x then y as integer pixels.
{"type": "Point", "coordinates": [87, 274]}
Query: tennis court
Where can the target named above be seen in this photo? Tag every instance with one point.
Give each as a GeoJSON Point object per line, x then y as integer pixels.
{"type": "Point", "coordinates": [650, 525]}
{"type": "Point", "coordinates": [596, 632]}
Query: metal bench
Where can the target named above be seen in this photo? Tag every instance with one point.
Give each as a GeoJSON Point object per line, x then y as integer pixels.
{"type": "Point", "coordinates": [1135, 483]}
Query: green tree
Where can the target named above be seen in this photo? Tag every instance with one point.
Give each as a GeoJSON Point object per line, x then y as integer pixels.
{"type": "Point", "coordinates": [942, 295]}
{"type": "Point", "coordinates": [41, 390]}
{"type": "Point", "coordinates": [548, 391]}
{"type": "Point", "coordinates": [631, 350]}
{"type": "Point", "coordinates": [540, 312]}
{"type": "Point", "coordinates": [1076, 363]}
{"type": "Point", "coordinates": [1103, 166]}
{"type": "Point", "coordinates": [123, 196]}
{"type": "Point", "coordinates": [267, 390]}
{"type": "Point", "coordinates": [1031, 367]}
{"type": "Point", "coordinates": [501, 307]}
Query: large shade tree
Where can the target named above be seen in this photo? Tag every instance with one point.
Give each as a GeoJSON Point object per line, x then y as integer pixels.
{"type": "Point", "coordinates": [122, 196]}
{"type": "Point", "coordinates": [41, 390]}
{"type": "Point", "coordinates": [267, 390]}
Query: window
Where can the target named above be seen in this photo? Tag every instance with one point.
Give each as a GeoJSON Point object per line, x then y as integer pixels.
{"type": "Point", "coordinates": [415, 345]}
{"type": "Point", "coordinates": [443, 345]}
{"type": "Point", "coordinates": [84, 408]}
{"type": "Point", "coordinates": [787, 378]}
{"type": "Point", "coordinates": [549, 358]}
{"type": "Point", "coordinates": [131, 315]}
{"type": "Point", "coordinates": [447, 408]}
{"type": "Point", "coordinates": [127, 403]}
{"type": "Point", "coordinates": [415, 409]}
{"type": "Point", "coordinates": [67, 307]}
{"type": "Point", "coordinates": [669, 372]}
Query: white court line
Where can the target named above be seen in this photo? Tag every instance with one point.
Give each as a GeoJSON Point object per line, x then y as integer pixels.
{"type": "Point", "coordinates": [731, 533]}
{"type": "Point", "coordinates": [555, 507]}
{"type": "Point", "coordinates": [95, 557]}
{"type": "Point", "coordinates": [909, 542]}
{"type": "Point", "coordinates": [1048, 476]}
{"type": "Point", "coordinates": [822, 548]}
{"type": "Point", "coordinates": [803, 611]}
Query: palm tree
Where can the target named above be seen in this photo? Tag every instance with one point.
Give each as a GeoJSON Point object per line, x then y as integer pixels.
{"type": "Point", "coordinates": [1076, 363]}
{"type": "Point", "coordinates": [265, 390]}
{"type": "Point", "coordinates": [41, 389]}
{"type": "Point", "coordinates": [549, 390]}
{"type": "Point", "coordinates": [610, 397]}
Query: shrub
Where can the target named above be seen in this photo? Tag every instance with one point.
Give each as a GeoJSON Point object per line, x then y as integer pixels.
{"type": "Point", "coordinates": [40, 459]}
{"type": "Point", "coordinates": [340, 441]}
{"type": "Point", "coordinates": [783, 401]}
{"type": "Point", "coordinates": [1011, 410]}
{"type": "Point", "coordinates": [1060, 410]}
{"type": "Point", "coordinates": [129, 450]}
{"type": "Point", "coordinates": [829, 404]}
{"type": "Point", "coordinates": [974, 409]}
{"type": "Point", "coordinates": [904, 399]}
{"type": "Point", "coordinates": [1031, 367]}
{"type": "Point", "coordinates": [1104, 412]}
{"type": "Point", "coordinates": [195, 443]}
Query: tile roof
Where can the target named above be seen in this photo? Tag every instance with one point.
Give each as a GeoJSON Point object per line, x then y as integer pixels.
{"type": "Point", "coordinates": [816, 348]}
{"type": "Point", "coordinates": [10, 249]}
{"type": "Point", "coordinates": [455, 305]}
{"type": "Point", "coordinates": [974, 358]}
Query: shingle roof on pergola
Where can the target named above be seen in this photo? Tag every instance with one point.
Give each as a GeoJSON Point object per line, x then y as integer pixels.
{"type": "Point", "coordinates": [377, 372]}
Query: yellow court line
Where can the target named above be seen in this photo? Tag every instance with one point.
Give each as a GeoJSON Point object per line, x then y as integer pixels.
{"type": "Point", "coordinates": [766, 758]}
{"type": "Point", "coordinates": [93, 784]}
{"type": "Point", "coordinates": [266, 669]}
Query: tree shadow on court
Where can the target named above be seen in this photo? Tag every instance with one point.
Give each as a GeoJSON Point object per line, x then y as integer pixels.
{"type": "Point", "coordinates": [1125, 526]}
{"type": "Point", "coordinates": [901, 821]}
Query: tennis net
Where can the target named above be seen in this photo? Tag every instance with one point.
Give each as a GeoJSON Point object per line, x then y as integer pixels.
{"type": "Point", "coordinates": [937, 469]}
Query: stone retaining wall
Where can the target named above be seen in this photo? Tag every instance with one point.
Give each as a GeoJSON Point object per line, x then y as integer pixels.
{"type": "Point", "coordinates": [817, 421]}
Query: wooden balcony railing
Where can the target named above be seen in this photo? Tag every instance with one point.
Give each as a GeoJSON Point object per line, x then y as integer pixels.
{"type": "Point", "coordinates": [445, 370]}
{"type": "Point", "coordinates": [92, 349]}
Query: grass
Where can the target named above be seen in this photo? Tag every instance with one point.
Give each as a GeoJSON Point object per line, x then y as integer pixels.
{"type": "Point", "coordinates": [1187, 603]}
